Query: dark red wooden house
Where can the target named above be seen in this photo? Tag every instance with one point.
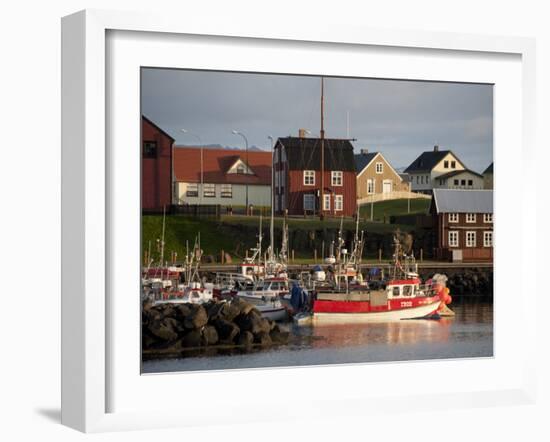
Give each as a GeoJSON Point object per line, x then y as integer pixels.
{"type": "Point", "coordinates": [463, 223]}
{"type": "Point", "coordinates": [156, 167]}
{"type": "Point", "coordinates": [297, 179]}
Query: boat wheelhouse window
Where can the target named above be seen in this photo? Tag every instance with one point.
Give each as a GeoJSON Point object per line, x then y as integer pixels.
{"type": "Point", "coordinates": [396, 291]}
{"type": "Point", "coordinates": [407, 290]}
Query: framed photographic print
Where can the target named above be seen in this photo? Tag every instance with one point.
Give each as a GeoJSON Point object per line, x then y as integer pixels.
{"type": "Point", "coordinates": [279, 207]}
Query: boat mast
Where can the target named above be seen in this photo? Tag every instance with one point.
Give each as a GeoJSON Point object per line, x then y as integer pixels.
{"type": "Point", "coordinates": [321, 197]}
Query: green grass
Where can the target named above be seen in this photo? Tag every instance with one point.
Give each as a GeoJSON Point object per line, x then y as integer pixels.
{"type": "Point", "coordinates": [382, 210]}
{"type": "Point", "coordinates": [234, 234]}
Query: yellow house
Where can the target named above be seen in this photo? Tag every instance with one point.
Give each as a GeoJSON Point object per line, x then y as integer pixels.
{"type": "Point", "coordinates": [377, 179]}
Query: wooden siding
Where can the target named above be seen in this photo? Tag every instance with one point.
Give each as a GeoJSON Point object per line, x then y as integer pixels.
{"type": "Point", "coordinates": [477, 253]}
{"type": "Point", "coordinates": [296, 189]}
{"type": "Point", "coordinates": [156, 173]}
{"type": "Point", "coordinates": [388, 173]}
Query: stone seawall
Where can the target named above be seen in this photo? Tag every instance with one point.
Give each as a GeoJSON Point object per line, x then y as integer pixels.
{"type": "Point", "coordinates": [171, 329]}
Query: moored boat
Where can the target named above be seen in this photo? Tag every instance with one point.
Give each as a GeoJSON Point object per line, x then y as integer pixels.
{"type": "Point", "coordinates": [403, 296]}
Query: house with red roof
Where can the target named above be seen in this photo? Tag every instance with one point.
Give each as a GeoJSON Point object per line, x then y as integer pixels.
{"type": "Point", "coordinates": [228, 177]}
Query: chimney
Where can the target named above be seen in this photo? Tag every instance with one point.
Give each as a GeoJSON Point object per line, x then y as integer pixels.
{"type": "Point", "coordinates": [436, 148]}
{"type": "Point", "coordinates": [302, 133]}
{"type": "Point", "coordinates": [364, 151]}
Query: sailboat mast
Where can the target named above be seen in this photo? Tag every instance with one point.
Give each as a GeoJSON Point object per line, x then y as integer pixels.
{"type": "Point", "coordinates": [321, 193]}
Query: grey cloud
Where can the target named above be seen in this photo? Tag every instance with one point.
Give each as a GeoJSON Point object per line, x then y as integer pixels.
{"type": "Point", "coordinates": [399, 118]}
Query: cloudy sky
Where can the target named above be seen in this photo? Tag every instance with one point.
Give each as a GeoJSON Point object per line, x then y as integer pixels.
{"type": "Point", "coordinates": [401, 119]}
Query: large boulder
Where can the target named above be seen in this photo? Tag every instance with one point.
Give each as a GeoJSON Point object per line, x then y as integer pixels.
{"type": "Point", "coordinates": [164, 330]}
{"type": "Point", "coordinates": [192, 338]}
{"type": "Point", "coordinates": [263, 339]}
{"type": "Point", "coordinates": [196, 319]}
{"type": "Point", "coordinates": [209, 335]}
{"type": "Point", "coordinates": [245, 339]}
{"type": "Point", "coordinates": [227, 331]}
{"type": "Point", "coordinates": [279, 337]}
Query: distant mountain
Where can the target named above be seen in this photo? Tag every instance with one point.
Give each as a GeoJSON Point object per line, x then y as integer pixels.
{"type": "Point", "coordinates": [219, 146]}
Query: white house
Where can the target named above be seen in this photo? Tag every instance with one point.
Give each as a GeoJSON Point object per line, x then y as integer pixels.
{"type": "Point", "coordinates": [429, 165]}
{"type": "Point", "coordinates": [227, 176]}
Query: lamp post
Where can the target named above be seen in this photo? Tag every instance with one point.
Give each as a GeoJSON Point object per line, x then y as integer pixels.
{"type": "Point", "coordinates": [185, 131]}
{"type": "Point", "coordinates": [236, 132]}
{"type": "Point", "coordinates": [272, 197]}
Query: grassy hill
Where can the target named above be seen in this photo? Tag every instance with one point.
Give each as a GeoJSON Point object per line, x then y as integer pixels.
{"type": "Point", "coordinates": [234, 234]}
{"type": "Point", "coordinates": [382, 210]}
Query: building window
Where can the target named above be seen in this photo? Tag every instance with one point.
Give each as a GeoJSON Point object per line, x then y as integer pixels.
{"type": "Point", "coordinates": [470, 217]}
{"type": "Point", "coordinates": [370, 186]}
{"type": "Point", "coordinates": [488, 238]}
{"type": "Point", "coordinates": [453, 238]}
{"type": "Point", "coordinates": [417, 179]}
{"type": "Point", "coordinates": [453, 164]}
{"type": "Point", "coordinates": [422, 179]}
{"type": "Point", "coordinates": [446, 164]}
{"type": "Point", "coordinates": [326, 201]}
{"type": "Point", "coordinates": [427, 179]}
{"type": "Point", "coordinates": [470, 183]}
{"type": "Point", "coordinates": [226, 191]}
{"type": "Point", "coordinates": [470, 239]}
{"type": "Point", "coordinates": [338, 202]}
{"type": "Point", "coordinates": [149, 149]}
{"type": "Point", "coordinates": [336, 178]}
{"type": "Point", "coordinates": [309, 202]}
{"type": "Point", "coordinates": [240, 169]}
{"type": "Point", "coordinates": [455, 182]}
{"type": "Point", "coordinates": [487, 218]}
{"type": "Point", "coordinates": [209, 191]}
{"type": "Point", "coordinates": [462, 182]}
{"type": "Point", "coordinates": [309, 178]}
{"type": "Point", "coordinates": [379, 167]}
{"type": "Point", "coordinates": [453, 217]}
{"type": "Point", "coordinates": [192, 190]}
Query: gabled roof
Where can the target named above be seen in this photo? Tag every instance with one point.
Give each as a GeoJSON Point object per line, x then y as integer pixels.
{"type": "Point", "coordinates": [362, 160]}
{"type": "Point", "coordinates": [216, 163]}
{"type": "Point", "coordinates": [157, 127]}
{"type": "Point", "coordinates": [428, 160]}
{"type": "Point", "coordinates": [489, 169]}
{"type": "Point", "coordinates": [462, 201]}
{"type": "Point", "coordinates": [458, 172]}
{"type": "Point", "coordinates": [305, 153]}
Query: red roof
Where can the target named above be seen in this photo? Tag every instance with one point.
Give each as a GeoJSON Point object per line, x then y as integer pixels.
{"type": "Point", "coordinates": [216, 163]}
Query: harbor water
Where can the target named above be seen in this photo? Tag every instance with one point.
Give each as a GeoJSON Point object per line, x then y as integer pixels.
{"type": "Point", "coordinates": [466, 335]}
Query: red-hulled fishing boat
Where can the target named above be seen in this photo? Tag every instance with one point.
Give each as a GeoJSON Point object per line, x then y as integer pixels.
{"type": "Point", "coordinates": [403, 296]}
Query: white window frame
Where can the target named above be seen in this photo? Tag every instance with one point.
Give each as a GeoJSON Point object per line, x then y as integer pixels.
{"type": "Point", "coordinates": [326, 201]}
{"type": "Point", "coordinates": [371, 186]}
{"type": "Point", "coordinates": [309, 197]}
{"type": "Point", "coordinates": [453, 238]}
{"type": "Point", "coordinates": [338, 203]}
{"type": "Point", "coordinates": [453, 217]}
{"type": "Point", "coordinates": [309, 175]}
{"type": "Point", "coordinates": [488, 218]}
{"type": "Point", "coordinates": [207, 187]}
{"type": "Point", "coordinates": [471, 218]}
{"type": "Point", "coordinates": [192, 190]}
{"type": "Point", "coordinates": [337, 178]}
{"type": "Point", "coordinates": [379, 167]}
{"type": "Point", "coordinates": [471, 234]}
{"type": "Point", "coordinates": [226, 191]}
{"type": "Point", "coordinates": [488, 238]}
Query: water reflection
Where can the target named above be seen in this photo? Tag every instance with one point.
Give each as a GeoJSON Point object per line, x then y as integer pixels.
{"type": "Point", "coordinates": [468, 334]}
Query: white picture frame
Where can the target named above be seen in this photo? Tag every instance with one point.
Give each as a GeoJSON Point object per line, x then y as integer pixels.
{"type": "Point", "coordinates": [88, 229]}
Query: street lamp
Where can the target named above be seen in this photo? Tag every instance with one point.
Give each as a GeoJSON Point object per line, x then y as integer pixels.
{"type": "Point", "coordinates": [185, 131]}
{"type": "Point", "coordinates": [236, 132]}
